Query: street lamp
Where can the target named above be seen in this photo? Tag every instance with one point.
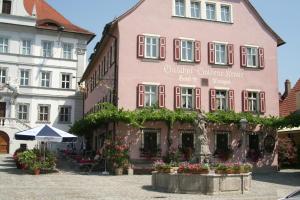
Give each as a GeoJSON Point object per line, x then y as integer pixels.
{"type": "Point", "coordinates": [243, 123]}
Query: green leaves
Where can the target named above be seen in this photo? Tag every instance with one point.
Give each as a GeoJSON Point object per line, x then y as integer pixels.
{"type": "Point", "coordinates": [137, 118]}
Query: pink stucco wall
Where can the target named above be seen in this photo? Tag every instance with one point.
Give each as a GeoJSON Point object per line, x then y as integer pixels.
{"type": "Point", "coordinates": [155, 17]}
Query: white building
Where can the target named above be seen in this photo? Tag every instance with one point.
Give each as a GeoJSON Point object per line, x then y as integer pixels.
{"type": "Point", "coordinates": [42, 57]}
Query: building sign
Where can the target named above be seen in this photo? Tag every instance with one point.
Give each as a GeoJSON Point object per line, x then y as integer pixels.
{"type": "Point", "coordinates": [191, 74]}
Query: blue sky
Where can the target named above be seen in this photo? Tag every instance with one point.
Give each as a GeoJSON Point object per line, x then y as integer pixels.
{"type": "Point", "coordinates": [94, 14]}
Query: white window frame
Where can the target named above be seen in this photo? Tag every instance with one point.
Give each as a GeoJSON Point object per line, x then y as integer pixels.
{"type": "Point", "coordinates": [251, 101]}
{"type": "Point", "coordinates": [22, 112]}
{"type": "Point", "coordinates": [193, 9]}
{"type": "Point", "coordinates": [184, 9]}
{"type": "Point", "coordinates": [186, 50]}
{"type": "Point", "coordinates": [230, 12]}
{"type": "Point", "coordinates": [43, 79]}
{"type": "Point", "coordinates": [68, 55]}
{"type": "Point", "coordinates": [151, 94]}
{"type": "Point", "coordinates": [4, 46]}
{"type": "Point", "coordinates": [65, 82]}
{"type": "Point", "coordinates": [26, 50]}
{"type": "Point", "coordinates": [224, 98]}
{"type": "Point", "coordinates": [3, 78]}
{"type": "Point", "coordinates": [206, 11]}
{"type": "Point", "coordinates": [248, 55]}
{"type": "Point", "coordinates": [187, 96]}
{"type": "Point", "coordinates": [152, 46]}
{"type": "Point", "coordinates": [225, 52]}
{"type": "Point", "coordinates": [46, 51]}
{"type": "Point", "coordinates": [24, 77]}
{"type": "Point", "coordinates": [69, 115]}
{"type": "Point", "coordinates": [44, 113]}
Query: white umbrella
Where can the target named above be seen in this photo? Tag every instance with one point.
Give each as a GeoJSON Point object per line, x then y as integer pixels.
{"type": "Point", "coordinates": [46, 133]}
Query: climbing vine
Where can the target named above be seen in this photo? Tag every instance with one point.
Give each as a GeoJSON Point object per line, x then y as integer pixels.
{"type": "Point", "coordinates": [137, 118]}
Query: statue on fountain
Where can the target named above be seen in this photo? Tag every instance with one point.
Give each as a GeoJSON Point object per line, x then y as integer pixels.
{"type": "Point", "coordinates": [202, 152]}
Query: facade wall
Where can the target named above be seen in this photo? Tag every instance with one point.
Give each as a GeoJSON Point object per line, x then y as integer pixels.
{"type": "Point", "coordinates": [152, 19]}
{"type": "Point", "coordinates": [33, 94]}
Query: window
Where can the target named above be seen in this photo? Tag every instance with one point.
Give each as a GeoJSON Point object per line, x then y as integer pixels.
{"type": "Point", "coordinates": [187, 50]}
{"type": "Point", "coordinates": [24, 77]}
{"type": "Point", "coordinates": [253, 102]}
{"type": "Point", "coordinates": [180, 8]}
{"type": "Point", "coordinates": [150, 95]}
{"type": "Point", "coordinates": [3, 45]}
{"type": "Point", "coordinates": [47, 48]}
{"type": "Point", "coordinates": [225, 13]}
{"type": "Point", "coordinates": [6, 7]}
{"type": "Point", "coordinates": [221, 100]}
{"type": "Point", "coordinates": [221, 54]}
{"type": "Point", "coordinates": [45, 79]}
{"type": "Point", "coordinates": [211, 11]}
{"type": "Point", "coordinates": [151, 47]}
{"type": "Point", "coordinates": [195, 9]}
{"type": "Point", "coordinates": [65, 81]}
{"type": "Point", "coordinates": [253, 142]}
{"type": "Point", "coordinates": [187, 98]}
{"type": "Point", "coordinates": [65, 114]}
{"type": "Point", "coordinates": [44, 113]}
{"type": "Point", "coordinates": [150, 142]}
{"type": "Point", "coordinates": [2, 75]}
{"type": "Point", "coordinates": [252, 57]}
{"type": "Point", "coordinates": [67, 51]}
{"type": "Point", "coordinates": [187, 141]}
{"type": "Point", "coordinates": [222, 142]}
{"type": "Point", "coordinates": [23, 112]}
{"type": "Point", "coordinates": [26, 47]}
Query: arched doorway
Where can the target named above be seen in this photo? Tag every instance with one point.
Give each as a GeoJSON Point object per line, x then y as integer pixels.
{"type": "Point", "coordinates": [4, 143]}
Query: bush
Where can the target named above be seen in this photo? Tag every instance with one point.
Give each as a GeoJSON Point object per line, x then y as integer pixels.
{"type": "Point", "coordinates": [287, 152]}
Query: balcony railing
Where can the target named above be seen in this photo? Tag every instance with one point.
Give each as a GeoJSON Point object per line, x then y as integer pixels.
{"type": "Point", "coordinates": [13, 123]}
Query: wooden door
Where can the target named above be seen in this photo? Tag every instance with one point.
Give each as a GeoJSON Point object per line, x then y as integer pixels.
{"type": "Point", "coordinates": [2, 109]}
{"type": "Point", "coordinates": [4, 143]}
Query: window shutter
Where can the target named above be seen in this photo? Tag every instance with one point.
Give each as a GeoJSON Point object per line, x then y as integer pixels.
{"type": "Point", "coordinates": [211, 53]}
{"type": "Point", "coordinates": [245, 101]}
{"type": "Point", "coordinates": [177, 49]}
{"type": "Point", "coordinates": [262, 102]}
{"type": "Point", "coordinates": [141, 46]}
{"type": "Point", "coordinates": [198, 98]}
{"type": "Point", "coordinates": [162, 48]}
{"type": "Point", "coordinates": [243, 56]}
{"type": "Point", "coordinates": [230, 54]}
{"type": "Point", "coordinates": [212, 100]}
{"type": "Point", "coordinates": [177, 97]}
{"type": "Point", "coordinates": [231, 100]}
{"type": "Point", "coordinates": [197, 51]}
{"type": "Point", "coordinates": [261, 57]}
{"type": "Point", "coordinates": [161, 96]}
{"type": "Point", "coordinates": [140, 96]}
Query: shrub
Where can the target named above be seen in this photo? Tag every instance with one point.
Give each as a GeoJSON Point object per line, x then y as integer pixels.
{"type": "Point", "coordinates": [287, 151]}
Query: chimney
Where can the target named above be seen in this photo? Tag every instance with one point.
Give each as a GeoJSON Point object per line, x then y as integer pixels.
{"type": "Point", "coordinates": [288, 87]}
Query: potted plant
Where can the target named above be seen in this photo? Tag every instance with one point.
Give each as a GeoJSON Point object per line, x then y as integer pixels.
{"type": "Point", "coordinates": [221, 169]}
{"type": "Point", "coordinates": [36, 167]}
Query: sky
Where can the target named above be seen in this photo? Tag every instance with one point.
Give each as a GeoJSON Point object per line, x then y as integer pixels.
{"type": "Point", "coordinates": [94, 14]}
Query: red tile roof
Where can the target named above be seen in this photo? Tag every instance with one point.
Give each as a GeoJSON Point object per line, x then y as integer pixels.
{"type": "Point", "coordinates": [289, 105]}
{"type": "Point", "coordinates": [49, 18]}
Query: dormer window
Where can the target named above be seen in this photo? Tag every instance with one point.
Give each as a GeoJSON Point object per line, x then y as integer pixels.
{"type": "Point", "coordinates": [180, 8]}
{"type": "Point", "coordinates": [6, 7]}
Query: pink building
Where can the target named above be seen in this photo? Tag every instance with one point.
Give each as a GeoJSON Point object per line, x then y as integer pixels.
{"type": "Point", "coordinates": [190, 54]}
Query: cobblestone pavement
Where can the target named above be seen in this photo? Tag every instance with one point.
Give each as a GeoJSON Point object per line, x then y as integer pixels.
{"type": "Point", "coordinates": [14, 184]}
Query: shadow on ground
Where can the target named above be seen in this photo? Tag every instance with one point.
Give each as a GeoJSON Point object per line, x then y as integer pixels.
{"type": "Point", "coordinates": [285, 177]}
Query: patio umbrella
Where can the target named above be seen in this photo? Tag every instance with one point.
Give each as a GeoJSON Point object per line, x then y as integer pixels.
{"type": "Point", "coordinates": [46, 133]}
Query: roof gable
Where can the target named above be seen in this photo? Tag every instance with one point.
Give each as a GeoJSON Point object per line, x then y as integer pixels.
{"type": "Point", "coordinates": [49, 18]}
{"type": "Point", "coordinates": [289, 104]}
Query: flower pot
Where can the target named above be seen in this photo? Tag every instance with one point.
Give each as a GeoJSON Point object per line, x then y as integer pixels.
{"type": "Point", "coordinates": [118, 171]}
{"type": "Point", "coordinates": [220, 172]}
{"type": "Point", "coordinates": [37, 172]}
{"type": "Point", "coordinates": [204, 171]}
{"type": "Point", "coordinates": [229, 171]}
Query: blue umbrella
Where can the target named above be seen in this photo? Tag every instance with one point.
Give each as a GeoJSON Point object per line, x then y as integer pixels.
{"type": "Point", "coordinates": [46, 133]}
